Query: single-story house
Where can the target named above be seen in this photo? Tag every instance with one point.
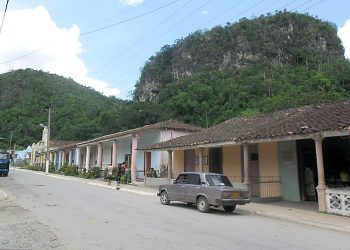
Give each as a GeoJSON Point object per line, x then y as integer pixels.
{"type": "Point", "coordinates": [296, 154]}
{"type": "Point", "coordinates": [121, 147]}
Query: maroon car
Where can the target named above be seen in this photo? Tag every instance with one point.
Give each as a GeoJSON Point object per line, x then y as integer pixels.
{"type": "Point", "coordinates": [204, 190]}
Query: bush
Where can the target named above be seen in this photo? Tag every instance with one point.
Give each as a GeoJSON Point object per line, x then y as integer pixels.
{"type": "Point", "coordinates": [123, 179]}
{"type": "Point", "coordinates": [93, 173]}
{"type": "Point", "coordinates": [69, 170]}
{"type": "Point", "coordinates": [35, 168]}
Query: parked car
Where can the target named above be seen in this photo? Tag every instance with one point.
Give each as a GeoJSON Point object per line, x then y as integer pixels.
{"type": "Point", "coordinates": [203, 190]}
{"type": "Point", "coordinates": [5, 159]}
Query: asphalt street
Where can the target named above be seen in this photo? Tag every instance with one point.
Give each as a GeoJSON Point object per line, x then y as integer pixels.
{"type": "Point", "coordinates": [75, 215]}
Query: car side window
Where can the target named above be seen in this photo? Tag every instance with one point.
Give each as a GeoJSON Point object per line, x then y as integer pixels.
{"type": "Point", "coordinates": [182, 178]}
{"type": "Point", "coordinates": [194, 179]}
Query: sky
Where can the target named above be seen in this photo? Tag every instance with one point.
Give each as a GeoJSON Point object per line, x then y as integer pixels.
{"type": "Point", "coordinates": [104, 44]}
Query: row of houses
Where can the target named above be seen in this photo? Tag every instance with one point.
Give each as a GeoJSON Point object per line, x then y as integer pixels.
{"type": "Point", "coordinates": [294, 155]}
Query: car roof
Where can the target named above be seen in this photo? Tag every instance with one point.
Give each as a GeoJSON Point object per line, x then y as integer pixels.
{"type": "Point", "coordinates": [202, 173]}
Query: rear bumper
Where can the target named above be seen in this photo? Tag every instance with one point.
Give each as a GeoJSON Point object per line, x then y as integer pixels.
{"type": "Point", "coordinates": [230, 202]}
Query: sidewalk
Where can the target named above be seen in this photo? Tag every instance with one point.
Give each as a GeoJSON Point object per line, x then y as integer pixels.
{"type": "Point", "coordinates": [299, 212]}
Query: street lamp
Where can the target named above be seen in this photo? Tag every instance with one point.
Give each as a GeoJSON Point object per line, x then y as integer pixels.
{"type": "Point", "coordinates": [47, 142]}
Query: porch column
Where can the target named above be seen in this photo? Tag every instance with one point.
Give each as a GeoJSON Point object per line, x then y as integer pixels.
{"type": "Point", "coordinates": [87, 159]}
{"type": "Point", "coordinates": [99, 155]}
{"type": "Point", "coordinates": [63, 157]}
{"type": "Point", "coordinates": [245, 166]}
{"type": "Point", "coordinates": [59, 159]}
{"type": "Point", "coordinates": [170, 164]}
{"type": "Point", "coordinates": [321, 188]}
{"type": "Point", "coordinates": [55, 159]}
{"type": "Point", "coordinates": [70, 154]}
{"type": "Point", "coordinates": [32, 155]}
{"type": "Point", "coordinates": [200, 159]}
{"type": "Point", "coordinates": [77, 157]}
{"type": "Point", "coordinates": [114, 153]}
{"type": "Point", "coordinates": [134, 157]}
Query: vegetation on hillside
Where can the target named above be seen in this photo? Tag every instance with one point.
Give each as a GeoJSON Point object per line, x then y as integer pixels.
{"type": "Point", "coordinates": [251, 67]}
{"type": "Point", "coordinates": [78, 112]}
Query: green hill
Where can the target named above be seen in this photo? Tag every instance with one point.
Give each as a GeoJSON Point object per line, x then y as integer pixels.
{"type": "Point", "coordinates": [79, 112]}
{"type": "Point", "coordinates": [250, 67]}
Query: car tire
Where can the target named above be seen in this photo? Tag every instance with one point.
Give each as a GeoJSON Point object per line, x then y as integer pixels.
{"type": "Point", "coordinates": [203, 205]}
{"type": "Point", "coordinates": [164, 198]}
{"type": "Point", "coordinates": [229, 209]}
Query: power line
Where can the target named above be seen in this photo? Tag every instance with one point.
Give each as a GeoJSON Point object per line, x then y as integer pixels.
{"type": "Point", "coordinates": [127, 20]}
{"type": "Point", "coordinates": [142, 37]}
{"type": "Point", "coordinates": [174, 26]}
{"type": "Point", "coordinates": [312, 6]}
{"type": "Point", "coordinates": [286, 5]}
{"type": "Point", "coordinates": [3, 17]}
{"type": "Point", "coordinates": [301, 5]}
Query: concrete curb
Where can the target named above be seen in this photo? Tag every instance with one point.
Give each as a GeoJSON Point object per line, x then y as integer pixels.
{"type": "Point", "coordinates": [340, 228]}
{"type": "Point", "coordinates": [121, 188]}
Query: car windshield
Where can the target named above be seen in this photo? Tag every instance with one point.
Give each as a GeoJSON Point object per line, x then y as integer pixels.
{"type": "Point", "coordinates": [218, 180]}
{"type": "Point", "coordinates": [4, 156]}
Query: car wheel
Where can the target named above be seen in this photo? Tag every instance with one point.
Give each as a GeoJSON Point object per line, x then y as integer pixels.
{"type": "Point", "coordinates": [164, 198]}
{"type": "Point", "coordinates": [202, 204]}
{"type": "Point", "coordinates": [229, 208]}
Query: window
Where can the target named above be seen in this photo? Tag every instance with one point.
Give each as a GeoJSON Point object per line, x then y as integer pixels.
{"type": "Point", "coordinates": [194, 179]}
{"type": "Point", "coordinates": [218, 180]}
{"type": "Point", "coordinates": [182, 178]}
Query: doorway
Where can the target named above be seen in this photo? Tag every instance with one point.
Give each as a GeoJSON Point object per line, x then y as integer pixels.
{"type": "Point", "coordinates": [190, 160]}
{"type": "Point", "coordinates": [215, 160]}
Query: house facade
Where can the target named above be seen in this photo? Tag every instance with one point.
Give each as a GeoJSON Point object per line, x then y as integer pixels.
{"type": "Point", "coordinates": [295, 155]}
{"type": "Point", "coordinates": [121, 147]}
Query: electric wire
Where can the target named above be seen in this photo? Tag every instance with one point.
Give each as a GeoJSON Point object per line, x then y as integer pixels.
{"type": "Point", "coordinates": [170, 29]}
{"type": "Point", "coordinates": [301, 5]}
{"type": "Point", "coordinates": [127, 20]}
{"type": "Point", "coordinates": [3, 17]}
{"type": "Point", "coordinates": [142, 37]}
{"type": "Point", "coordinates": [317, 3]}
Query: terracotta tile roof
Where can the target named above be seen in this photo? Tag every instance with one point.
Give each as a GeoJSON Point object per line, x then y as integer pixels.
{"type": "Point", "coordinates": [164, 125]}
{"type": "Point", "coordinates": [53, 143]}
{"type": "Point", "coordinates": [291, 123]}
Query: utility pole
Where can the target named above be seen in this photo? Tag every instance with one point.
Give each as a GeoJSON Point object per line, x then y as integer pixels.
{"type": "Point", "coordinates": [47, 143]}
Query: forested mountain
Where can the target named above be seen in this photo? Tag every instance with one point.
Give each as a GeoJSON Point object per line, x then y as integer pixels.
{"type": "Point", "coordinates": [250, 67]}
{"type": "Point", "coordinates": [78, 112]}
{"type": "Point", "coordinates": [247, 68]}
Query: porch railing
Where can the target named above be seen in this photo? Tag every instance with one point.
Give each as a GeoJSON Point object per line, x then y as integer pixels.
{"type": "Point", "coordinates": [262, 186]}
{"type": "Point", "coordinates": [338, 201]}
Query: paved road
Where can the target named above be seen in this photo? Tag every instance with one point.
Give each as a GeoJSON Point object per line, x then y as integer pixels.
{"type": "Point", "coordinates": [81, 216]}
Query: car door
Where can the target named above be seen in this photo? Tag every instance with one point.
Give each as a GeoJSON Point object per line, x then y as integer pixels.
{"type": "Point", "coordinates": [176, 192]}
{"type": "Point", "coordinates": [192, 188]}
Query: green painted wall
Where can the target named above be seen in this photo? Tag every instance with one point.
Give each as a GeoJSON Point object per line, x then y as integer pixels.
{"type": "Point", "coordinates": [288, 166]}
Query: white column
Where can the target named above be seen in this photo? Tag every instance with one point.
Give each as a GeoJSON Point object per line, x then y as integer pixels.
{"type": "Point", "coordinates": [64, 157]}
{"type": "Point", "coordinates": [70, 154]}
{"type": "Point", "coordinates": [114, 153]}
{"type": "Point", "coordinates": [99, 155]}
{"type": "Point", "coordinates": [200, 159]}
{"type": "Point", "coordinates": [134, 158]}
{"type": "Point", "coordinates": [170, 164]}
{"type": "Point", "coordinates": [245, 166]}
{"type": "Point", "coordinates": [59, 159]}
{"type": "Point", "coordinates": [87, 159]}
{"type": "Point", "coordinates": [32, 155]}
{"type": "Point", "coordinates": [55, 159]}
{"type": "Point", "coordinates": [77, 157]}
{"type": "Point", "coordinates": [321, 188]}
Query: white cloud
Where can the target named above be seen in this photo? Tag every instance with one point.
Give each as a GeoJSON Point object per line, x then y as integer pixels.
{"type": "Point", "coordinates": [204, 12]}
{"type": "Point", "coordinates": [132, 2]}
{"type": "Point", "coordinates": [50, 48]}
{"type": "Point", "coordinates": [344, 34]}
